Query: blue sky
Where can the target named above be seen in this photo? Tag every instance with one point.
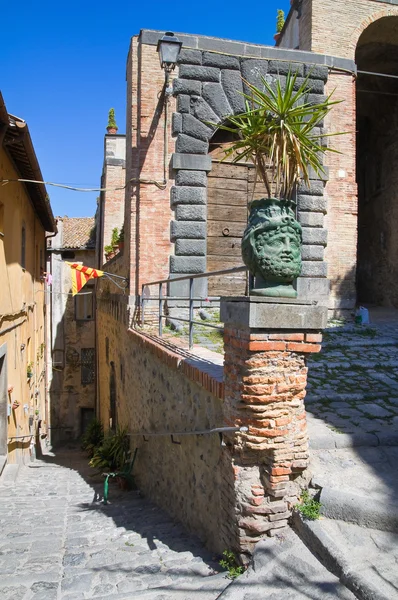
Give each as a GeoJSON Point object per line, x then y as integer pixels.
{"type": "Point", "coordinates": [63, 66]}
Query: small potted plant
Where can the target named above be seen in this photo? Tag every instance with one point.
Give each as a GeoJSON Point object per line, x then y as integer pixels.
{"type": "Point", "coordinates": [15, 404]}
{"type": "Point", "coordinates": [111, 127]}
{"type": "Point", "coordinates": [280, 22]}
{"type": "Point", "coordinates": [109, 252]}
{"type": "Point", "coordinates": [120, 242]}
{"type": "Point", "coordinates": [29, 370]}
{"type": "Point", "coordinates": [279, 133]}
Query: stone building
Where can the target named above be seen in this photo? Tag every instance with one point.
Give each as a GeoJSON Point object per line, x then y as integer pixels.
{"type": "Point", "coordinates": [361, 192]}
{"type": "Point", "coordinates": [184, 214]}
{"type": "Point", "coordinates": [25, 217]}
{"type": "Point", "coordinates": [71, 330]}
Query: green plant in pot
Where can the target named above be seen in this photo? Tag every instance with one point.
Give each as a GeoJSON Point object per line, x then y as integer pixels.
{"type": "Point", "coordinates": [280, 133]}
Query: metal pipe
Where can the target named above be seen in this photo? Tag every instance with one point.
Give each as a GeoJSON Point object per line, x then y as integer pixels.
{"type": "Point", "coordinates": [190, 312]}
{"type": "Point", "coordinates": [378, 74]}
{"type": "Point", "coordinates": [160, 310]}
{"type": "Point", "coordinates": [199, 275]}
{"type": "Point", "coordinates": [203, 432]}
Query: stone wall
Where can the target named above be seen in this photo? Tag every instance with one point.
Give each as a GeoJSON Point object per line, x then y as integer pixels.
{"type": "Point", "coordinates": [189, 476]}
{"type": "Point", "coordinates": [69, 396]}
{"type": "Point", "coordinates": [206, 89]}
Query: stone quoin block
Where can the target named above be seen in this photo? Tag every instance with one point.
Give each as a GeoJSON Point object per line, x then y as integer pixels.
{"type": "Point", "coordinates": [191, 57]}
{"type": "Point", "coordinates": [232, 85]}
{"type": "Point", "coordinates": [187, 230]}
{"type": "Point", "coordinates": [214, 95]}
{"type": "Point", "coordinates": [312, 252]}
{"type": "Point", "coordinates": [283, 68]}
{"type": "Point", "coordinates": [316, 72]}
{"type": "Point", "coordinates": [187, 264]}
{"type": "Point", "coordinates": [314, 269]}
{"type": "Point", "coordinates": [202, 111]}
{"type": "Point", "coordinates": [176, 124]}
{"type": "Point", "coordinates": [313, 98]}
{"type": "Point", "coordinates": [192, 212]}
{"type": "Point", "coordinates": [200, 73]}
{"type": "Point", "coordinates": [191, 162]}
{"type": "Point", "coordinates": [190, 145]}
{"type": "Point", "coordinates": [190, 247]}
{"type": "Point", "coordinates": [315, 235]}
{"type": "Point", "coordinates": [315, 86]}
{"type": "Point", "coordinates": [316, 204]}
{"type": "Point", "coordinates": [311, 219]}
{"type": "Point", "coordinates": [253, 70]}
{"type": "Point", "coordinates": [195, 128]}
{"type": "Point", "coordinates": [191, 178]}
{"type": "Point", "coordinates": [314, 189]}
{"type": "Point", "coordinates": [310, 287]}
{"type": "Point", "coordinates": [222, 61]}
{"type": "Point", "coordinates": [183, 103]}
{"type": "Point", "coordinates": [188, 195]}
{"type": "Point", "coordinates": [186, 86]}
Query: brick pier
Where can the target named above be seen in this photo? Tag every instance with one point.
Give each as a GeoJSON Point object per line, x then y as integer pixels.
{"type": "Point", "coordinates": [265, 377]}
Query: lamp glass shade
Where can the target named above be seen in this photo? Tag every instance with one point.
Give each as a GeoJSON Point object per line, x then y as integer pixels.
{"type": "Point", "coordinates": [169, 48]}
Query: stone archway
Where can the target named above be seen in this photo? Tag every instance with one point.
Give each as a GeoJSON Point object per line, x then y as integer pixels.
{"type": "Point", "coordinates": [209, 90]}
{"type": "Point", "coordinates": [377, 157]}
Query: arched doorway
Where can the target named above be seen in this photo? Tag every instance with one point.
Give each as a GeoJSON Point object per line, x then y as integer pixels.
{"type": "Point", "coordinates": [377, 163]}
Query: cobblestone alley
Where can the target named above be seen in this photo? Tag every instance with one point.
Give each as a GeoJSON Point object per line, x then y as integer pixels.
{"type": "Point", "coordinates": [58, 541]}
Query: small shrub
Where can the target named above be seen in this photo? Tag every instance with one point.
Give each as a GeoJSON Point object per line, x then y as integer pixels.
{"type": "Point", "coordinates": [113, 453]}
{"type": "Point", "coordinates": [230, 564]}
{"type": "Point", "coordinates": [280, 20]}
{"type": "Point", "coordinates": [93, 437]}
{"type": "Point", "coordinates": [309, 507]}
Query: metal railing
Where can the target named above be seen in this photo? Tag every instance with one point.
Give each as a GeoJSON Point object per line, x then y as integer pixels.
{"type": "Point", "coordinates": [161, 298]}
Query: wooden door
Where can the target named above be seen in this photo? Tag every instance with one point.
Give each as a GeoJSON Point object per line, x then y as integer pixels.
{"type": "Point", "coordinates": [227, 197]}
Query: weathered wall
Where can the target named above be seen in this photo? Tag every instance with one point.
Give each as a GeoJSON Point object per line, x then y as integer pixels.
{"type": "Point", "coordinates": [112, 200]}
{"type": "Point", "coordinates": [189, 479]}
{"type": "Point", "coordinates": [21, 312]}
{"type": "Point", "coordinates": [69, 336]}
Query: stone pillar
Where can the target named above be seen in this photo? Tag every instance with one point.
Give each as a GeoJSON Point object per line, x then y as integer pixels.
{"type": "Point", "coordinates": [267, 342]}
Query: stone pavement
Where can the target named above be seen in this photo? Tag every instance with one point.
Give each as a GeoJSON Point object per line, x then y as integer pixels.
{"type": "Point", "coordinates": [58, 541]}
{"type": "Point", "coordinates": [352, 394]}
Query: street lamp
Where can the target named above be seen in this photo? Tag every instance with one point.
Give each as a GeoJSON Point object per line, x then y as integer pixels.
{"type": "Point", "coordinates": [169, 47]}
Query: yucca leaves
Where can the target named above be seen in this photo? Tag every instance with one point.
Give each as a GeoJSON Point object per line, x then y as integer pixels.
{"type": "Point", "coordinates": [276, 133]}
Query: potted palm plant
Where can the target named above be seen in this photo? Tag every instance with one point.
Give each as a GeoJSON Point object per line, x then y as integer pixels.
{"type": "Point", "coordinates": [279, 133]}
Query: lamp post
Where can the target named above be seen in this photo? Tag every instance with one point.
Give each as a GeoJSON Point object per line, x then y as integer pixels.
{"type": "Point", "coordinates": [168, 47]}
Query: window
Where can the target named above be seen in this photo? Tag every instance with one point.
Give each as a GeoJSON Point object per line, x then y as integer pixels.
{"type": "Point", "coordinates": [67, 255]}
{"type": "Point", "coordinates": [23, 247]}
{"type": "Point", "coordinates": [1, 219]}
{"type": "Point", "coordinates": [87, 363]}
{"type": "Point", "coordinates": [84, 303]}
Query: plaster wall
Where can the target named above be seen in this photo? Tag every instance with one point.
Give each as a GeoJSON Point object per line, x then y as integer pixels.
{"type": "Point", "coordinates": [69, 336]}
{"type": "Point", "coordinates": [112, 200]}
{"type": "Point", "coordinates": [21, 313]}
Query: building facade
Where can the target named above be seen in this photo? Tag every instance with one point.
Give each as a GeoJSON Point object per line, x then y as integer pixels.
{"type": "Point", "coordinates": [25, 217]}
{"type": "Point", "coordinates": [71, 331]}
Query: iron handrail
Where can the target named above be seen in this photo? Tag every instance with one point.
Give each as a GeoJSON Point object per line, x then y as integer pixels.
{"type": "Point", "coordinates": [161, 298]}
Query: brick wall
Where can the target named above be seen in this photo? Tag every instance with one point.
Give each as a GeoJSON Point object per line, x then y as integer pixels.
{"type": "Point", "coordinates": [148, 205]}
{"type": "Point", "coordinates": [338, 24]}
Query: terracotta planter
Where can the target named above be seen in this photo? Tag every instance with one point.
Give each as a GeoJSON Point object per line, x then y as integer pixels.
{"type": "Point", "coordinates": [111, 130]}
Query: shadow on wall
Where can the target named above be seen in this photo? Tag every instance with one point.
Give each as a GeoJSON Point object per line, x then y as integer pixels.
{"type": "Point", "coordinates": [343, 294]}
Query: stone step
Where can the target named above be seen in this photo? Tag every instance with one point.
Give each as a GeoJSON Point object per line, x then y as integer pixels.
{"type": "Point", "coordinates": [364, 560]}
